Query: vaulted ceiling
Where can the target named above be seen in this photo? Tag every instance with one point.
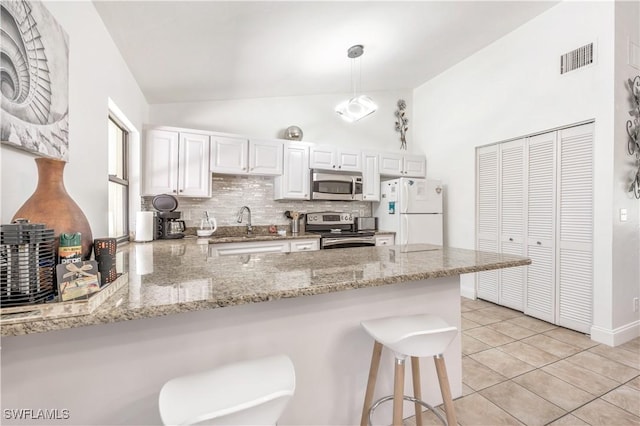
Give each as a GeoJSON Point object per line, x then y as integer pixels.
{"type": "Point", "coordinates": [183, 51]}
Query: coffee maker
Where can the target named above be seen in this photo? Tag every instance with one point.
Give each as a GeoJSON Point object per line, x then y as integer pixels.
{"type": "Point", "coordinates": [168, 223]}
{"type": "Point", "coordinates": [169, 226]}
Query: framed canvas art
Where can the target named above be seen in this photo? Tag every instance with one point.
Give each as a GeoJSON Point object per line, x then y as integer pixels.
{"type": "Point", "coordinates": [34, 82]}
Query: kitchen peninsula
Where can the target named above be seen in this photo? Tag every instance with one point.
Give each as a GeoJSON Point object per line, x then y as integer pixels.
{"type": "Point", "coordinates": [185, 310]}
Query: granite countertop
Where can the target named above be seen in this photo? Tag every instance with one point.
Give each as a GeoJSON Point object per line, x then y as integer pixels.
{"type": "Point", "coordinates": [173, 276]}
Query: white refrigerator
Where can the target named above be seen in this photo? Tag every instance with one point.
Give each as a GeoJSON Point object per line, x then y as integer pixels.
{"type": "Point", "coordinates": [412, 208]}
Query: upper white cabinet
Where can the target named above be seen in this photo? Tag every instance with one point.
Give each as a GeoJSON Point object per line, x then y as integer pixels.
{"type": "Point", "coordinates": [176, 163]}
{"type": "Point", "coordinates": [329, 157]}
{"type": "Point", "coordinates": [236, 155]}
{"type": "Point", "coordinates": [392, 164]}
{"type": "Point", "coordinates": [229, 155]}
{"type": "Point", "coordinates": [295, 182]}
{"type": "Point", "coordinates": [370, 176]}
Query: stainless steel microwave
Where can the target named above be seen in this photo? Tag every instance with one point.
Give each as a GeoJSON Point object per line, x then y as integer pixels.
{"type": "Point", "coordinates": [335, 186]}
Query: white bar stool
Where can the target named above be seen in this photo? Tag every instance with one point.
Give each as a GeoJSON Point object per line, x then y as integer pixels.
{"type": "Point", "coordinates": [253, 392]}
{"type": "Point", "coordinates": [415, 336]}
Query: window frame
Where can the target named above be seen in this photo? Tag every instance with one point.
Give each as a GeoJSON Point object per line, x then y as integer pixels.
{"type": "Point", "coordinates": [124, 181]}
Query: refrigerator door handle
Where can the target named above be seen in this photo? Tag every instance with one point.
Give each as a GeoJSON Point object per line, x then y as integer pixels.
{"type": "Point", "coordinates": [405, 219]}
{"type": "Point", "coordinates": [404, 200]}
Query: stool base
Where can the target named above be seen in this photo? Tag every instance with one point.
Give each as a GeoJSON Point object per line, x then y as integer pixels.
{"type": "Point", "coordinates": [407, 398]}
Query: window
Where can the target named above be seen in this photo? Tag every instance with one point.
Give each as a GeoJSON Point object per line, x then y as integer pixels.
{"type": "Point", "coordinates": [118, 181]}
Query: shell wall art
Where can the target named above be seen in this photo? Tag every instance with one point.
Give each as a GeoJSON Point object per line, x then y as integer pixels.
{"type": "Point", "coordinates": [34, 79]}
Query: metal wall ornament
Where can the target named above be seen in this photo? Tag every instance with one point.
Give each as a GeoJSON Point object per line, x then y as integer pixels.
{"type": "Point", "coordinates": [402, 123]}
{"type": "Point", "coordinates": [633, 130]}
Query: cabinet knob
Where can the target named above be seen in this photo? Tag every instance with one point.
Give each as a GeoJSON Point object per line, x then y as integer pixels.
{"type": "Point", "coordinates": [334, 166]}
{"type": "Point", "coordinates": [174, 191]}
{"type": "Point", "coordinates": [181, 190]}
{"type": "Point", "coordinates": [244, 168]}
{"type": "Point", "coordinates": [510, 239]}
{"type": "Point", "coordinates": [339, 167]}
{"type": "Point", "coordinates": [539, 243]}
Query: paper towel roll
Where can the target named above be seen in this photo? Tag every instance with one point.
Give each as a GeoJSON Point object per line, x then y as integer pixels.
{"type": "Point", "coordinates": [145, 226]}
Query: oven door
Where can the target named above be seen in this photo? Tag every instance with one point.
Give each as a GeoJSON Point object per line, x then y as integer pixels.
{"type": "Point", "coordinates": [335, 186]}
{"type": "Point", "coordinates": [347, 242]}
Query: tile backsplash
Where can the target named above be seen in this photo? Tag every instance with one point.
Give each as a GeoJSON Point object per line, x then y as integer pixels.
{"type": "Point", "coordinates": [230, 193]}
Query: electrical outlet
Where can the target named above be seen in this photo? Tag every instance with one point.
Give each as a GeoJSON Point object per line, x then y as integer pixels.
{"type": "Point", "coordinates": [636, 304]}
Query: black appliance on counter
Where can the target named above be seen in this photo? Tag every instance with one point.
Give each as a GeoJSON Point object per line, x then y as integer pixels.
{"type": "Point", "coordinates": [337, 230]}
{"type": "Point", "coordinates": [168, 223]}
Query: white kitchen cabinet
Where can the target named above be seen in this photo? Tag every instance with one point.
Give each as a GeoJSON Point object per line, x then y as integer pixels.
{"type": "Point", "coordinates": [229, 154]}
{"type": "Point", "coordinates": [176, 163]}
{"type": "Point", "coordinates": [385, 240]}
{"type": "Point", "coordinates": [330, 157]}
{"type": "Point", "coordinates": [312, 244]}
{"type": "Point", "coordinates": [370, 176]}
{"type": "Point", "coordinates": [237, 155]}
{"type": "Point", "coordinates": [403, 165]}
{"type": "Point", "coordinates": [275, 246]}
{"type": "Point", "coordinates": [295, 181]}
{"type": "Point", "coordinates": [251, 247]}
{"type": "Point", "coordinates": [535, 198]}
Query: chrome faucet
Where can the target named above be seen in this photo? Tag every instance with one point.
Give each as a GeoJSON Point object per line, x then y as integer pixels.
{"type": "Point", "coordinates": [249, 227]}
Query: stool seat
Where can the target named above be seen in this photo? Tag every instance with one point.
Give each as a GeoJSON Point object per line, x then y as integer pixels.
{"type": "Point", "coordinates": [415, 336]}
{"type": "Point", "coordinates": [418, 335]}
{"type": "Point", "coordinates": [248, 392]}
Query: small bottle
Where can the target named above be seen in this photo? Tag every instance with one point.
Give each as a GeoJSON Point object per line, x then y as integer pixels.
{"type": "Point", "coordinates": [70, 248]}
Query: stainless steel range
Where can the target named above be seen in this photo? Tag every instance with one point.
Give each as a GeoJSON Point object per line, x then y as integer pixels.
{"type": "Point", "coordinates": [337, 230]}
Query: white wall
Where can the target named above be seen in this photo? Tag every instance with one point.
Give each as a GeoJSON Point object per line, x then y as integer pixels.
{"type": "Point", "coordinates": [268, 117]}
{"type": "Point", "coordinates": [626, 235]}
{"type": "Point", "coordinates": [513, 88]}
{"type": "Point", "coordinates": [97, 72]}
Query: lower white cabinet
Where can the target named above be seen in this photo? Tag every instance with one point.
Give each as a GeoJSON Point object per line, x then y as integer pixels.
{"type": "Point", "coordinates": [385, 240]}
{"type": "Point", "coordinates": [305, 245]}
{"type": "Point", "coordinates": [276, 246]}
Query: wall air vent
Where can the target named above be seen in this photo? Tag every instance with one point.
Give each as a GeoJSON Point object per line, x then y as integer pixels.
{"type": "Point", "coordinates": [581, 57]}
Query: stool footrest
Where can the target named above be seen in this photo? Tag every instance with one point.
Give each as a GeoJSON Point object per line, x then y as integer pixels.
{"type": "Point", "coordinates": [406, 398]}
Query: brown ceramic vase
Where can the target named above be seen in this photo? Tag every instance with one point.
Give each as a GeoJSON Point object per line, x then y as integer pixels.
{"type": "Point", "coordinates": [51, 204]}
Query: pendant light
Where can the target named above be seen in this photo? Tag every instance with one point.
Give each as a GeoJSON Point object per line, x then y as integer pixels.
{"type": "Point", "coordinates": [358, 106]}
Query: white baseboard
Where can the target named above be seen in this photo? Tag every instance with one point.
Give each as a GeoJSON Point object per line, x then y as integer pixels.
{"type": "Point", "coordinates": [617, 336]}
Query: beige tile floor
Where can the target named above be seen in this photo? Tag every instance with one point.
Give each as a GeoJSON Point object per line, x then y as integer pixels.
{"type": "Point", "coordinates": [517, 370]}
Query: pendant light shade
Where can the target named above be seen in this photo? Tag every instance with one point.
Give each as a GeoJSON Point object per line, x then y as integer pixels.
{"type": "Point", "coordinates": [358, 106]}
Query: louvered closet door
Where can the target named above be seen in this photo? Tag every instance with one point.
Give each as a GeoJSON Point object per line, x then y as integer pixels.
{"type": "Point", "coordinates": [512, 209]}
{"type": "Point", "coordinates": [540, 283]}
{"type": "Point", "coordinates": [575, 221]}
{"type": "Point", "coordinates": [487, 217]}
